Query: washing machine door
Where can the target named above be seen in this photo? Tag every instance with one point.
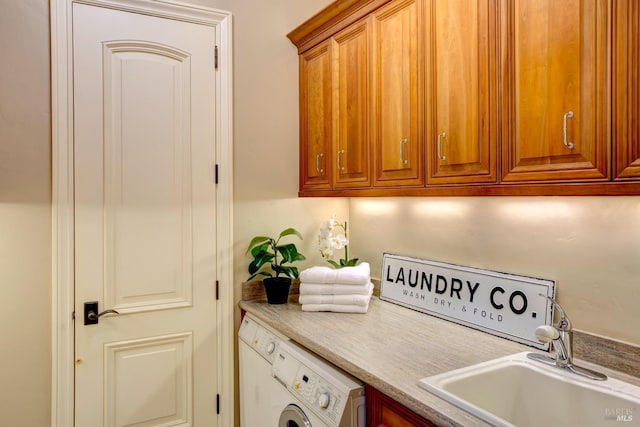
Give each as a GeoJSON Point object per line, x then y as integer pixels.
{"type": "Point", "coordinates": [293, 416]}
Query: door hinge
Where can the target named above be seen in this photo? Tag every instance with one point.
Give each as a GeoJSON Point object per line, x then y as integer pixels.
{"type": "Point", "coordinates": [217, 290]}
{"type": "Point", "coordinates": [217, 404]}
{"type": "Point", "coordinates": [215, 57]}
{"type": "Point", "coordinates": [216, 174]}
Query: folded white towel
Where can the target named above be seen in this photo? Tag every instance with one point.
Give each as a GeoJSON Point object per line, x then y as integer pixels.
{"type": "Point", "coordinates": [349, 299]}
{"type": "Point", "coordinates": [358, 275]}
{"type": "Point", "coordinates": [339, 308]}
{"type": "Point", "coordinates": [325, 289]}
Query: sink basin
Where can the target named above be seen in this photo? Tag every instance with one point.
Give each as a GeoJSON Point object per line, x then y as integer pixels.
{"type": "Point", "coordinates": [517, 391]}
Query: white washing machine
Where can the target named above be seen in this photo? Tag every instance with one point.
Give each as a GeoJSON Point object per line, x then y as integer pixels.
{"type": "Point", "coordinates": [283, 385]}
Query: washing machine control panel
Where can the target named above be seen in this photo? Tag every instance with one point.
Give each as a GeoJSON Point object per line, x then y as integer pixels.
{"type": "Point", "coordinates": [318, 393]}
{"type": "Point", "coordinates": [319, 386]}
{"type": "Point", "coordinates": [259, 338]}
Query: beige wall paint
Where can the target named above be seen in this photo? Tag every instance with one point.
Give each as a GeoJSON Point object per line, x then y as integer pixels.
{"type": "Point", "coordinates": [589, 245]}
{"type": "Point", "coordinates": [266, 162]}
{"type": "Point", "coordinates": [25, 214]}
{"type": "Point", "coordinates": [266, 129]}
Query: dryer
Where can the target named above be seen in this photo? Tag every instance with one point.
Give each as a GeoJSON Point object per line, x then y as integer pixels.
{"type": "Point", "coordinates": [284, 385]}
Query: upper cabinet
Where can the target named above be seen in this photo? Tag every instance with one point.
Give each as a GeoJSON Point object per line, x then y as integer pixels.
{"type": "Point", "coordinates": [470, 97]}
{"type": "Point", "coordinates": [556, 91]}
{"type": "Point", "coordinates": [462, 87]}
{"type": "Point", "coordinates": [316, 108]}
{"type": "Point", "coordinates": [626, 108]}
{"type": "Point", "coordinates": [351, 107]}
{"type": "Point", "coordinates": [397, 58]}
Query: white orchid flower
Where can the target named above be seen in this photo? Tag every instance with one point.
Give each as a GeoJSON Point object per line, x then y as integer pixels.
{"type": "Point", "coordinates": [333, 237]}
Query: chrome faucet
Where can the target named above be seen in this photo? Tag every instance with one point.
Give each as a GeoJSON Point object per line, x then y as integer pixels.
{"type": "Point", "coordinates": [561, 338]}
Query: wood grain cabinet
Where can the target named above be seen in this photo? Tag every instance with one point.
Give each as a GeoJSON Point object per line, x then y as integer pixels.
{"type": "Point", "coordinates": [334, 111]}
{"type": "Point", "coordinates": [556, 124]}
{"type": "Point", "coordinates": [316, 130]}
{"type": "Point", "coordinates": [397, 93]}
{"type": "Point", "coordinates": [382, 411]}
{"type": "Point", "coordinates": [351, 107]}
{"type": "Point", "coordinates": [470, 97]}
{"type": "Point", "coordinates": [626, 106]}
{"type": "Point", "coordinates": [462, 87]}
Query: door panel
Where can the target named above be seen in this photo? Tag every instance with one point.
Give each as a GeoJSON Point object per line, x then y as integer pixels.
{"type": "Point", "coordinates": [626, 96]}
{"type": "Point", "coordinates": [461, 92]}
{"type": "Point", "coordinates": [161, 364]}
{"type": "Point", "coordinates": [351, 135]}
{"type": "Point", "coordinates": [148, 251]}
{"type": "Point", "coordinates": [558, 125]}
{"type": "Point", "coordinates": [315, 106]}
{"type": "Point", "coordinates": [397, 88]}
{"type": "Point", "coordinates": [144, 143]}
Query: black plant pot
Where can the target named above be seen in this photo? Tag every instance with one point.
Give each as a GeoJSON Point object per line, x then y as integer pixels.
{"type": "Point", "coordinates": [277, 289]}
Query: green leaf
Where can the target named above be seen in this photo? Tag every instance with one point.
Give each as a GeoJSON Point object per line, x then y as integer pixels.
{"type": "Point", "coordinates": [289, 252]}
{"type": "Point", "coordinates": [257, 240]}
{"type": "Point", "coordinates": [260, 259]}
{"type": "Point", "coordinates": [259, 248]}
{"type": "Point", "coordinates": [349, 263]}
{"type": "Point", "coordinates": [333, 263]}
{"type": "Point", "coordinates": [290, 231]}
{"type": "Point", "coordinates": [262, 273]}
{"type": "Point", "coordinates": [289, 271]}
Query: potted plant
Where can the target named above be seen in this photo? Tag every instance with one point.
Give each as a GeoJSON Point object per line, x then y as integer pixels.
{"type": "Point", "coordinates": [269, 252]}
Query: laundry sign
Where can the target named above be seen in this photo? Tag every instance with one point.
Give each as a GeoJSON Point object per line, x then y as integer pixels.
{"type": "Point", "coordinates": [507, 305]}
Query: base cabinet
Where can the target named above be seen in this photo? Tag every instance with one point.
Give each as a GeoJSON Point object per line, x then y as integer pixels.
{"type": "Point", "coordinates": [382, 411]}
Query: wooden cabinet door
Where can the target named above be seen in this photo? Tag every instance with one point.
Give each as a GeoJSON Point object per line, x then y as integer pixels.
{"type": "Point", "coordinates": [461, 91]}
{"type": "Point", "coordinates": [397, 93]}
{"type": "Point", "coordinates": [382, 411]}
{"type": "Point", "coordinates": [350, 109]}
{"type": "Point", "coordinates": [626, 104]}
{"type": "Point", "coordinates": [315, 118]}
{"type": "Point", "coordinates": [555, 102]}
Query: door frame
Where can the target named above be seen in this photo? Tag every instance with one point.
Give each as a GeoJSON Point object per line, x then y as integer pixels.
{"type": "Point", "coordinates": [62, 292]}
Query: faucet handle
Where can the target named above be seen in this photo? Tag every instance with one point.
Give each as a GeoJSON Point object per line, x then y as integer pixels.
{"type": "Point", "coordinates": [564, 324]}
{"type": "Point", "coordinates": [546, 333]}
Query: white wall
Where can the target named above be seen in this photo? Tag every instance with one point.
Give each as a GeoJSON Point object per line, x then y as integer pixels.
{"type": "Point", "coordinates": [589, 245]}
{"type": "Point", "coordinates": [25, 212]}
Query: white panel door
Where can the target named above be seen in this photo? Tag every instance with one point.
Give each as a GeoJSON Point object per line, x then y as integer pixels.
{"type": "Point", "coordinates": [144, 138]}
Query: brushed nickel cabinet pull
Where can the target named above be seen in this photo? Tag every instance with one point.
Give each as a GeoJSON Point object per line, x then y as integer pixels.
{"type": "Point", "coordinates": [568, 115]}
{"type": "Point", "coordinates": [340, 167]}
{"type": "Point", "coordinates": [318, 168]}
{"type": "Point", "coordinates": [403, 142]}
{"type": "Point", "coordinates": [440, 156]}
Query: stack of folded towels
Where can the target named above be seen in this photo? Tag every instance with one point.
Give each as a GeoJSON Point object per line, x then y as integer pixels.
{"type": "Point", "coordinates": [346, 290]}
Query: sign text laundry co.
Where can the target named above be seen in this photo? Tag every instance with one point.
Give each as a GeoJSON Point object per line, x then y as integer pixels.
{"type": "Point", "coordinates": [506, 305]}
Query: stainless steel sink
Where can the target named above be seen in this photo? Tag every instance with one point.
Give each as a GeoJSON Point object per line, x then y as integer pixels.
{"type": "Point", "coordinates": [517, 391]}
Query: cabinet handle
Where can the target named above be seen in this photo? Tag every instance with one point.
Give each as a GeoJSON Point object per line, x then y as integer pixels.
{"type": "Point", "coordinates": [340, 153]}
{"type": "Point", "coordinates": [442, 135]}
{"type": "Point", "coordinates": [403, 142]}
{"type": "Point", "coordinates": [568, 115]}
{"type": "Point", "coordinates": [318, 168]}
